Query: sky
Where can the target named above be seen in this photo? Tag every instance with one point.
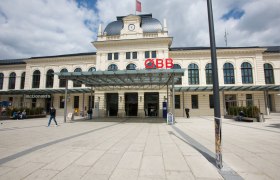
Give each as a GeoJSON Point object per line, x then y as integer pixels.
{"type": "Point", "coordinates": [32, 28]}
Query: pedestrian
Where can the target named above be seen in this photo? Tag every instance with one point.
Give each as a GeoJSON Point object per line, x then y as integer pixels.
{"type": "Point", "coordinates": [23, 114]}
{"type": "Point", "coordinates": [89, 113]}
{"type": "Point", "coordinates": [52, 116]}
{"type": "Point", "coordinates": [187, 110]}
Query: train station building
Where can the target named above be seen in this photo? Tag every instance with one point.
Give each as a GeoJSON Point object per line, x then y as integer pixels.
{"type": "Point", "coordinates": [130, 75]}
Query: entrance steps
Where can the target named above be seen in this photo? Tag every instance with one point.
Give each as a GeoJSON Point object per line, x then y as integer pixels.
{"type": "Point", "coordinates": [126, 120]}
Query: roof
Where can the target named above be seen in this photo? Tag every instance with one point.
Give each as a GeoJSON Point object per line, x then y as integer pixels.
{"type": "Point", "coordinates": [148, 24]}
{"type": "Point", "coordinates": [270, 49]}
{"type": "Point", "coordinates": [12, 61]}
{"type": "Point", "coordinates": [229, 88]}
{"type": "Point", "coordinates": [125, 78]}
{"type": "Point", "coordinates": [66, 55]}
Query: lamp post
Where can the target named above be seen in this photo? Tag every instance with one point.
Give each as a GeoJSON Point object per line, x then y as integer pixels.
{"type": "Point", "coordinates": [217, 113]}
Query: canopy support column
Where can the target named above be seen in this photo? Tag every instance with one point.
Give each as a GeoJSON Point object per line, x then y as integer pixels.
{"type": "Point", "coordinates": [173, 97]}
{"type": "Point", "coordinates": [265, 102]}
{"type": "Point", "coordinates": [91, 98]}
{"type": "Point", "coordinates": [183, 103]}
{"type": "Point", "coordinates": [83, 104]}
{"type": "Point", "coordinates": [65, 100]}
{"type": "Point", "coordinates": [167, 93]}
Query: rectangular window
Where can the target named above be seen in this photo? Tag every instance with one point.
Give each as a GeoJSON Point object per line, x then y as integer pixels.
{"type": "Point", "coordinates": [61, 102]}
{"type": "Point", "coordinates": [134, 55]}
{"type": "Point", "coordinates": [127, 55]}
{"type": "Point", "coordinates": [89, 99]}
{"type": "Point", "coordinates": [147, 54]}
{"type": "Point", "coordinates": [249, 99]}
{"type": "Point", "coordinates": [194, 101]}
{"type": "Point", "coordinates": [34, 100]}
{"type": "Point", "coordinates": [109, 56]}
{"type": "Point", "coordinates": [154, 54]}
{"type": "Point", "coordinates": [116, 56]}
{"type": "Point", "coordinates": [211, 101]}
{"type": "Point", "coordinates": [76, 101]}
{"type": "Point", "coordinates": [177, 102]}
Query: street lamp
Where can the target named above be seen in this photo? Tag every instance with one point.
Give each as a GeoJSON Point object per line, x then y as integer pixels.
{"type": "Point", "coordinates": [217, 113]}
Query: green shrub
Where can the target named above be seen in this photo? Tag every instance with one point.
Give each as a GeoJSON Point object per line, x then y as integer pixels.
{"type": "Point", "coordinates": [249, 111]}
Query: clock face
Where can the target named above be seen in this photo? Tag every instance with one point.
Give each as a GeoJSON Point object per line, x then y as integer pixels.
{"type": "Point", "coordinates": [131, 27]}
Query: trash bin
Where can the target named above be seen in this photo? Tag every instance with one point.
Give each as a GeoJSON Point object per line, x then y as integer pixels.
{"type": "Point", "coordinates": [187, 110]}
{"type": "Point", "coordinates": [261, 117]}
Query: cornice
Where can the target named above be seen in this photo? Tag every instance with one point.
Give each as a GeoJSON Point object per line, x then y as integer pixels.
{"type": "Point", "coordinates": [241, 51]}
{"type": "Point", "coordinates": [100, 44]}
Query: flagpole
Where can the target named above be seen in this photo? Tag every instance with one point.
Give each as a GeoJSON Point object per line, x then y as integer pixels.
{"type": "Point", "coordinates": [135, 6]}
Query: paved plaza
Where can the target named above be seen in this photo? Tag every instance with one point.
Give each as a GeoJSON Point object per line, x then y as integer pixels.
{"type": "Point", "coordinates": [144, 151]}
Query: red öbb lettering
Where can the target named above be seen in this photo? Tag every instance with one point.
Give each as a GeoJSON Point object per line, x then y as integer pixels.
{"type": "Point", "coordinates": [159, 63]}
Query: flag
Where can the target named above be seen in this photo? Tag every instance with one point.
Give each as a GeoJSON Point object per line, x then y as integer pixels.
{"type": "Point", "coordinates": [138, 6]}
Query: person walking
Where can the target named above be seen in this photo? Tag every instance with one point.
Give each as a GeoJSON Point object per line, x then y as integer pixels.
{"type": "Point", "coordinates": [187, 110]}
{"type": "Point", "coordinates": [52, 116]}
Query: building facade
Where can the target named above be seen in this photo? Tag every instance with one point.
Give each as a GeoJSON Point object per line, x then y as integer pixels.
{"type": "Point", "coordinates": [247, 75]}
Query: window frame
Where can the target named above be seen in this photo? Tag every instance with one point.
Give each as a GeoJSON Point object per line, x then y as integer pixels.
{"type": "Point", "coordinates": [246, 73]}
{"type": "Point", "coordinates": [12, 80]}
{"type": "Point", "coordinates": [177, 102]}
{"type": "Point", "coordinates": [49, 78]}
{"type": "Point", "coordinates": [268, 73]}
{"type": "Point", "coordinates": [22, 80]}
{"type": "Point", "coordinates": [75, 83]}
{"type": "Point", "coordinates": [194, 101]}
{"type": "Point", "coordinates": [193, 74]}
{"type": "Point", "coordinates": [36, 78]}
{"type": "Point", "coordinates": [112, 69]}
{"type": "Point", "coordinates": [1, 80]}
{"type": "Point", "coordinates": [229, 74]}
{"type": "Point", "coordinates": [208, 73]}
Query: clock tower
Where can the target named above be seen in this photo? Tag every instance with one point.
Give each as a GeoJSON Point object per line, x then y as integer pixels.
{"type": "Point", "coordinates": [131, 26]}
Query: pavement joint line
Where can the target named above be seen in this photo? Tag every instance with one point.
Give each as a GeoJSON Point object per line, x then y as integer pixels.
{"type": "Point", "coordinates": [226, 172]}
{"type": "Point", "coordinates": [35, 148]}
{"type": "Point", "coordinates": [242, 125]}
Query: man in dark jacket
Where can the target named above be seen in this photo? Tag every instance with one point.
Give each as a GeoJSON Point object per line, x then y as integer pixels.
{"type": "Point", "coordinates": [52, 116]}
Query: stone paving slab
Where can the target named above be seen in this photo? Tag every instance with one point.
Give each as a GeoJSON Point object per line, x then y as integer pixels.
{"type": "Point", "coordinates": [141, 151]}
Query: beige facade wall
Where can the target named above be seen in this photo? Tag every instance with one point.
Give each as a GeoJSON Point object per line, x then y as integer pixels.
{"type": "Point", "coordinates": [137, 41]}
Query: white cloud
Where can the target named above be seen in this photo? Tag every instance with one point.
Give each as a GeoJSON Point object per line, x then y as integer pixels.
{"type": "Point", "coordinates": [40, 27]}
{"type": "Point", "coordinates": [50, 27]}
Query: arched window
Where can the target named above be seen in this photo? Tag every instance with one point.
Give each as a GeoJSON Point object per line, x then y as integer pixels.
{"type": "Point", "coordinates": [1, 80]}
{"type": "Point", "coordinates": [193, 74]}
{"type": "Point", "coordinates": [246, 72]}
{"type": "Point", "coordinates": [76, 83]}
{"type": "Point", "coordinates": [268, 73]}
{"type": "Point", "coordinates": [208, 72]}
{"type": "Point", "coordinates": [49, 78]}
{"type": "Point", "coordinates": [62, 82]}
{"type": "Point", "coordinates": [92, 69]}
{"type": "Point", "coordinates": [131, 66]}
{"type": "Point", "coordinates": [12, 80]}
{"type": "Point", "coordinates": [177, 66]}
{"type": "Point", "coordinates": [229, 74]}
{"type": "Point", "coordinates": [36, 79]}
{"type": "Point", "coordinates": [22, 80]}
{"type": "Point", "coordinates": [112, 67]}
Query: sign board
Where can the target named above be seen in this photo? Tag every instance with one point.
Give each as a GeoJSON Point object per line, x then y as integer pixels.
{"type": "Point", "coordinates": [70, 116]}
{"type": "Point", "coordinates": [159, 63]}
{"type": "Point", "coordinates": [170, 118]}
{"type": "Point", "coordinates": [38, 96]}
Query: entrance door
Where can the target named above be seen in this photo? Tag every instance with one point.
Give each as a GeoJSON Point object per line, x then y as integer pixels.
{"type": "Point", "coordinates": [131, 104]}
{"type": "Point", "coordinates": [112, 104]}
{"type": "Point", "coordinates": [151, 104]}
{"type": "Point", "coordinates": [230, 100]}
{"type": "Point", "coordinates": [270, 102]}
